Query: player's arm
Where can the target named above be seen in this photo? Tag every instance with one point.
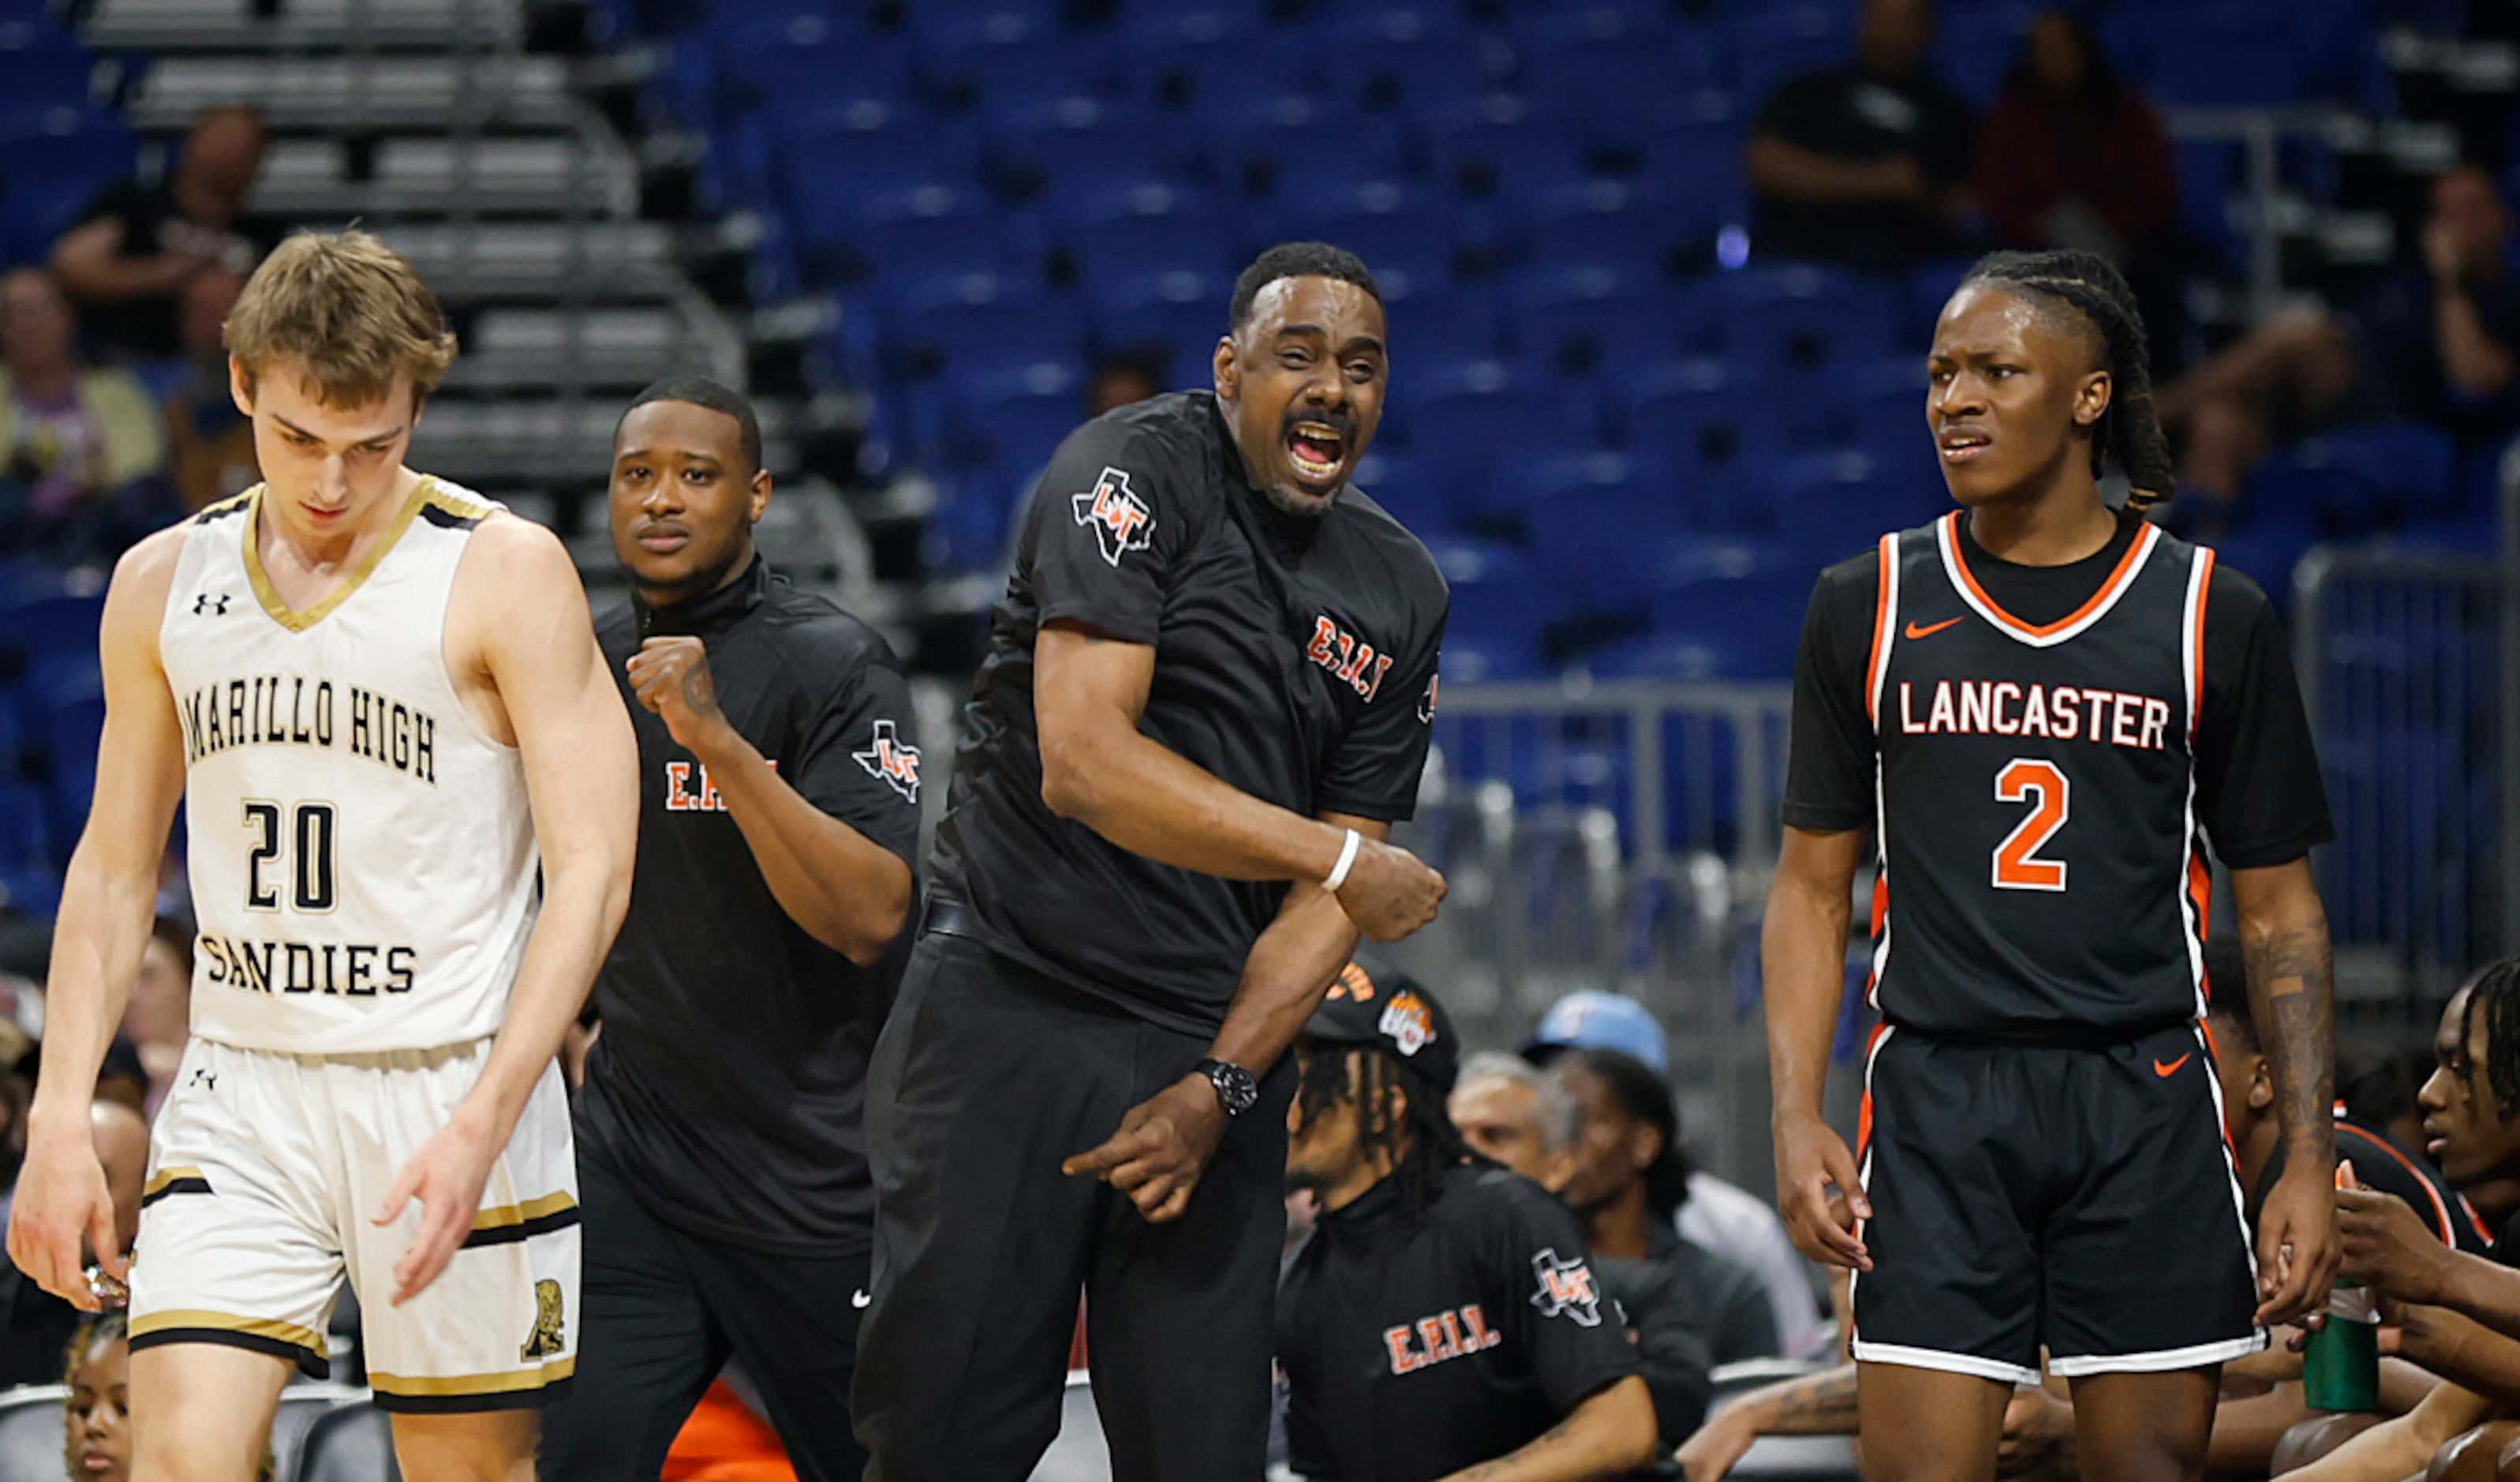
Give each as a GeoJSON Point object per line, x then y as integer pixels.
{"type": "Point", "coordinates": [89, 262]}
{"type": "Point", "coordinates": [2401, 1448]}
{"type": "Point", "coordinates": [109, 900]}
{"type": "Point", "coordinates": [1811, 1404]}
{"type": "Point", "coordinates": [1100, 770]}
{"type": "Point", "coordinates": [2462, 1351]}
{"type": "Point", "coordinates": [2385, 1243]}
{"type": "Point", "coordinates": [527, 618]}
{"type": "Point", "coordinates": [1611, 1434]}
{"type": "Point", "coordinates": [849, 891]}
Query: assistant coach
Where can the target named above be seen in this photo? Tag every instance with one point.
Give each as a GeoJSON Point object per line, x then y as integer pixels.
{"type": "Point", "coordinates": [1210, 679]}
{"type": "Point", "coordinates": [721, 1159]}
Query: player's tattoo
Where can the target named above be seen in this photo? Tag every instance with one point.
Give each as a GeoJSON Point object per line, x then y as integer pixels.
{"type": "Point", "coordinates": [2292, 996]}
{"type": "Point", "coordinates": [1815, 1404]}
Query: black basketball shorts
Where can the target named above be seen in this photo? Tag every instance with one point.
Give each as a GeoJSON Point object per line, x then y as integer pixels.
{"type": "Point", "coordinates": [2082, 1200]}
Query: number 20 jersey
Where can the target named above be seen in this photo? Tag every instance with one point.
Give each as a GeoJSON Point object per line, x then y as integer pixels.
{"type": "Point", "coordinates": [2043, 868]}
{"type": "Point", "coordinates": [362, 855]}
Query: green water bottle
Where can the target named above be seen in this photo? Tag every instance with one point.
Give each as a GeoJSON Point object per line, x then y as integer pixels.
{"type": "Point", "coordinates": [2340, 1368]}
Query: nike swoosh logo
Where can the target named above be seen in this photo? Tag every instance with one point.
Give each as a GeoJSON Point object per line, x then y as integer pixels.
{"type": "Point", "coordinates": [2172, 1069]}
{"type": "Point", "coordinates": [859, 1297]}
{"type": "Point", "coordinates": [1914, 630]}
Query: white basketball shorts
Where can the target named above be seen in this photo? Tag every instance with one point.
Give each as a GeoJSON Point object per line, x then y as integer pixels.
{"type": "Point", "coordinates": [265, 1174]}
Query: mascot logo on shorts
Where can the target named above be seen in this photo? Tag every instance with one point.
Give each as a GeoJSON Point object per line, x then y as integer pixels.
{"type": "Point", "coordinates": [1119, 519]}
{"type": "Point", "coordinates": [1566, 1286]}
{"type": "Point", "coordinates": [1407, 1023]}
{"type": "Point", "coordinates": [544, 1341]}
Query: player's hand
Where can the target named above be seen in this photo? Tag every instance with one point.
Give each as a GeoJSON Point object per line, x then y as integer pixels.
{"type": "Point", "coordinates": [2038, 1435]}
{"type": "Point", "coordinates": [1389, 892]}
{"type": "Point", "coordinates": [2386, 1245]}
{"type": "Point", "coordinates": [2297, 1245]}
{"type": "Point", "coordinates": [1161, 1148]}
{"type": "Point", "coordinates": [1718, 1446]}
{"type": "Point", "coordinates": [63, 1202]}
{"type": "Point", "coordinates": [1810, 1160]}
{"type": "Point", "coordinates": [2445, 254]}
{"type": "Point", "coordinates": [671, 677]}
{"type": "Point", "coordinates": [446, 1176]}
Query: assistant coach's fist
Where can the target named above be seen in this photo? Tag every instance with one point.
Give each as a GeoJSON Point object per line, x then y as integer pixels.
{"type": "Point", "coordinates": [671, 677]}
{"type": "Point", "coordinates": [1389, 892]}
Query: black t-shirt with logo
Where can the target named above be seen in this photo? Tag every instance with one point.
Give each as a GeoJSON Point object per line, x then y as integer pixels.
{"type": "Point", "coordinates": [1294, 660]}
{"type": "Point", "coordinates": [1855, 115]}
{"type": "Point", "coordinates": [1415, 1348]}
{"type": "Point", "coordinates": [152, 223]}
{"type": "Point", "coordinates": [727, 1084]}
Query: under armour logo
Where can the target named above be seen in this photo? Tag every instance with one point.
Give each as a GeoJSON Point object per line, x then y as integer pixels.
{"type": "Point", "coordinates": [208, 605]}
{"type": "Point", "coordinates": [205, 1078]}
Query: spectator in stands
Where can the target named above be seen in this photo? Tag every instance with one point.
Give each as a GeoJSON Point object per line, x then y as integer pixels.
{"type": "Point", "coordinates": [97, 1411]}
{"type": "Point", "coordinates": [2071, 156]}
{"type": "Point", "coordinates": [2436, 343]}
{"type": "Point", "coordinates": [212, 441]}
{"type": "Point", "coordinates": [157, 1021]}
{"type": "Point", "coordinates": [74, 443]}
{"type": "Point", "coordinates": [135, 247]}
{"type": "Point", "coordinates": [1628, 1181]}
{"type": "Point", "coordinates": [35, 1325]}
{"type": "Point", "coordinates": [1865, 165]}
{"type": "Point", "coordinates": [1510, 1111]}
{"type": "Point", "coordinates": [1120, 381]}
{"type": "Point", "coordinates": [1723, 1217]}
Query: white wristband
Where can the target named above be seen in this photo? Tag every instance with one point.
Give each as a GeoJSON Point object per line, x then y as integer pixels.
{"type": "Point", "coordinates": [1347, 860]}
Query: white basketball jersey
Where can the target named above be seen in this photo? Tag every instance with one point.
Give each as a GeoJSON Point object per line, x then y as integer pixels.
{"type": "Point", "coordinates": [363, 860]}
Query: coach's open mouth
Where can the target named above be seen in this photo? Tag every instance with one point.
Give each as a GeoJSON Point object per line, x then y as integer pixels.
{"type": "Point", "coordinates": [1318, 450]}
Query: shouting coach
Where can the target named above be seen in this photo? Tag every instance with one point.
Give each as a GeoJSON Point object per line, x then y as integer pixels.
{"type": "Point", "coordinates": [1206, 700]}
{"type": "Point", "coordinates": [720, 1151]}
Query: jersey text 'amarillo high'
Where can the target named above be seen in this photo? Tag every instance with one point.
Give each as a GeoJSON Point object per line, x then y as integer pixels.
{"type": "Point", "coordinates": [363, 858]}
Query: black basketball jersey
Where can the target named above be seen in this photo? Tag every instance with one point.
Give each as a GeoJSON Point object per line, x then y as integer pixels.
{"type": "Point", "coordinates": [2042, 867]}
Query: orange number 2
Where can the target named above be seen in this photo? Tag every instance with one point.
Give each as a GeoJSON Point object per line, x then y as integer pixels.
{"type": "Point", "coordinates": [2017, 865]}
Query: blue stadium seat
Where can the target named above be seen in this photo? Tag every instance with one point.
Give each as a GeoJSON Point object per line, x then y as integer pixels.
{"type": "Point", "coordinates": [971, 321]}
{"type": "Point", "coordinates": [1461, 406]}
{"type": "Point", "coordinates": [933, 228]}
{"type": "Point", "coordinates": [1977, 45]}
{"type": "Point", "coordinates": [1273, 144]}
{"type": "Point", "coordinates": [1077, 145]}
{"type": "Point", "coordinates": [1801, 320]}
{"type": "Point", "coordinates": [754, 64]}
{"type": "Point", "coordinates": [1700, 421]}
{"type": "Point", "coordinates": [1144, 227]}
{"type": "Point", "coordinates": [51, 166]}
{"type": "Point", "coordinates": [1721, 627]}
{"type": "Point", "coordinates": [2356, 480]}
{"type": "Point", "coordinates": [1422, 491]}
{"type": "Point", "coordinates": [1410, 57]}
{"type": "Point", "coordinates": [1871, 405]}
{"type": "Point", "coordinates": [1498, 607]}
{"type": "Point", "coordinates": [1014, 416]}
{"type": "Point", "coordinates": [1614, 224]}
{"type": "Point", "coordinates": [1437, 327]}
{"type": "Point", "coordinates": [1007, 58]}
{"type": "Point", "coordinates": [43, 68]}
{"type": "Point", "coordinates": [1602, 59]}
{"type": "Point", "coordinates": [1929, 287]}
{"type": "Point", "coordinates": [1178, 311]}
{"type": "Point", "coordinates": [1503, 146]}
{"type": "Point", "coordinates": [1405, 232]}
{"type": "Point", "coordinates": [837, 168]}
{"type": "Point", "coordinates": [1769, 44]}
{"type": "Point", "coordinates": [1204, 61]}
{"type": "Point", "coordinates": [1583, 318]}
{"type": "Point", "coordinates": [1833, 505]}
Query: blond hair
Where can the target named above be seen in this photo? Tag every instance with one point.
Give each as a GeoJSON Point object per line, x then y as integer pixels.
{"type": "Point", "coordinates": [350, 311]}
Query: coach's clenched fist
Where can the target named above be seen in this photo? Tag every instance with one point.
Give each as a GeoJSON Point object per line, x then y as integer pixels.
{"type": "Point", "coordinates": [1389, 892]}
{"type": "Point", "coordinates": [671, 677]}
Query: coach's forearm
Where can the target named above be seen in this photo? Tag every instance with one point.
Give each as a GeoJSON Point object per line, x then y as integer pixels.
{"type": "Point", "coordinates": [1290, 967]}
{"type": "Point", "coordinates": [849, 892]}
{"type": "Point", "coordinates": [1609, 1435]}
{"type": "Point", "coordinates": [584, 898]}
{"type": "Point", "coordinates": [1149, 799]}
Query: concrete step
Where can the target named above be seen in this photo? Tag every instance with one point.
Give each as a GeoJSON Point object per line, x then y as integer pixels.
{"type": "Point", "coordinates": [550, 175]}
{"type": "Point", "coordinates": [342, 92]}
{"type": "Point", "coordinates": [169, 27]}
{"type": "Point", "coordinates": [618, 261]}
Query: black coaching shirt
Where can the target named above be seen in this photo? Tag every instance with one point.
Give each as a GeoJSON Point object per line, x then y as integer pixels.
{"type": "Point", "coordinates": [2044, 752]}
{"type": "Point", "coordinates": [1415, 1348]}
{"type": "Point", "coordinates": [728, 1084]}
{"type": "Point", "coordinates": [1294, 660]}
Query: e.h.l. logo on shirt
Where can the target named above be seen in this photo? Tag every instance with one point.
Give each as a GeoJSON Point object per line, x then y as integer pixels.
{"type": "Point", "coordinates": [892, 760]}
{"type": "Point", "coordinates": [1120, 521]}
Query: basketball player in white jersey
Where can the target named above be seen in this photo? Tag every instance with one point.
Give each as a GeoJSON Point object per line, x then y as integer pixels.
{"type": "Point", "coordinates": [381, 700]}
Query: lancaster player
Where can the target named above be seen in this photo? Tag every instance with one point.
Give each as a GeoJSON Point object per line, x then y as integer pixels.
{"type": "Point", "coordinates": [2042, 709]}
{"type": "Point", "coordinates": [410, 800]}
{"type": "Point", "coordinates": [1206, 700]}
{"type": "Point", "coordinates": [720, 1128]}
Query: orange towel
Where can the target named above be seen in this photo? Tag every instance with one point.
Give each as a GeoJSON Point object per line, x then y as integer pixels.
{"type": "Point", "coordinates": [724, 1441]}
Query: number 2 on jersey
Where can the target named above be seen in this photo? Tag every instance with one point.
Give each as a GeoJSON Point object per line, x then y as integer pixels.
{"type": "Point", "coordinates": [308, 842]}
{"type": "Point", "coordinates": [2040, 783]}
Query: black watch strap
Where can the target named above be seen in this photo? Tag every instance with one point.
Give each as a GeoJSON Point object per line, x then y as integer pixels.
{"type": "Point", "coordinates": [1238, 1091]}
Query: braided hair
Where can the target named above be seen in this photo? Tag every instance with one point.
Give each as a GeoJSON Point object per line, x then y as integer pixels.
{"type": "Point", "coordinates": [2128, 433]}
{"type": "Point", "coordinates": [1419, 1140]}
{"type": "Point", "coordinates": [2495, 994]}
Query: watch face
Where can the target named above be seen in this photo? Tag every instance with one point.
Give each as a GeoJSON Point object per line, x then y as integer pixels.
{"type": "Point", "coordinates": [1234, 1088]}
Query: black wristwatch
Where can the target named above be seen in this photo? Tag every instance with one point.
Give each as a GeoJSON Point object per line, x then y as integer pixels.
{"type": "Point", "coordinates": [1236, 1090]}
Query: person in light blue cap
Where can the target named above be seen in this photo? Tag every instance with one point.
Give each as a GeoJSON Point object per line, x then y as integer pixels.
{"type": "Point", "coordinates": [1720, 1216]}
